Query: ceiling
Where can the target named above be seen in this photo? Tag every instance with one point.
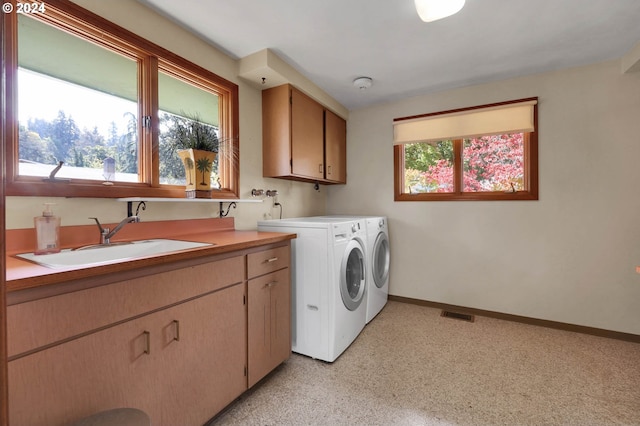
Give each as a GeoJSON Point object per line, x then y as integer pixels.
{"type": "Point", "coordinates": [332, 42]}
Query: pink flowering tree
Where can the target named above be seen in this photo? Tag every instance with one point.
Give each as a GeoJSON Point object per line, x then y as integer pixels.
{"type": "Point", "coordinates": [489, 163]}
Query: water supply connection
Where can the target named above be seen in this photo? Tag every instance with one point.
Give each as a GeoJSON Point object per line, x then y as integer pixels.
{"type": "Point", "coordinates": [270, 193]}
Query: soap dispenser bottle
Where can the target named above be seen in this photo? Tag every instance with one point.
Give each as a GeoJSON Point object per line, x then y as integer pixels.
{"type": "Point", "coordinates": [47, 231]}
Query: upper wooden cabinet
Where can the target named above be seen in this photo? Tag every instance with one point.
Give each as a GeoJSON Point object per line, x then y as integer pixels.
{"type": "Point", "coordinates": [301, 140]}
{"type": "Point", "coordinates": [335, 148]}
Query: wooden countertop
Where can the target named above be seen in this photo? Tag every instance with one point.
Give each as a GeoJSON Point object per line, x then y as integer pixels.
{"type": "Point", "coordinates": [22, 274]}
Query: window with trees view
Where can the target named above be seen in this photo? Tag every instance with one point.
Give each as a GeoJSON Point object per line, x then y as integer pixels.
{"type": "Point", "coordinates": [61, 127]}
{"type": "Point", "coordinates": [492, 166]}
{"type": "Point", "coordinates": [109, 105]}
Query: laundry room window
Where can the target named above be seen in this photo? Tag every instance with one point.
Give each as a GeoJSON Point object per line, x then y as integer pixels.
{"type": "Point", "coordinates": [77, 103]}
{"type": "Point", "coordinates": [488, 152]}
{"type": "Point", "coordinates": [83, 91]}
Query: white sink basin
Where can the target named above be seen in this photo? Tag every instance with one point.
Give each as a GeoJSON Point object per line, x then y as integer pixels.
{"type": "Point", "coordinates": [103, 254]}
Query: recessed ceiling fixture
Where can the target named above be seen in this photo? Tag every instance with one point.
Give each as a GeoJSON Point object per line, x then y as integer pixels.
{"type": "Point", "coordinates": [363, 83]}
{"type": "Point", "coordinates": [432, 10]}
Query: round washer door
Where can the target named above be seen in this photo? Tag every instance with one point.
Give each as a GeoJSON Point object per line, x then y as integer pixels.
{"type": "Point", "coordinates": [381, 258]}
{"type": "Point", "coordinates": [352, 275]}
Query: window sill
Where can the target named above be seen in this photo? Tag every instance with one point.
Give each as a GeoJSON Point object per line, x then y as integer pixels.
{"type": "Point", "coordinates": [471, 196]}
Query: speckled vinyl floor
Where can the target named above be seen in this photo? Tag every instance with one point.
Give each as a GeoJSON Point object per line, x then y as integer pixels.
{"type": "Point", "coordinates": [412, 367]}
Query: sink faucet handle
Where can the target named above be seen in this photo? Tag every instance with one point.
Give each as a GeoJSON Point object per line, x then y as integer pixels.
{"type": "Point", "coordinates": [97, 222]}
{"type": "Point", "coordinates": [102, 230]}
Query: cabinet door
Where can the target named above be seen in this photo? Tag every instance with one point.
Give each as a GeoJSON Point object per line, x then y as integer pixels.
{"type": "Point", "coordinates": [307, 136]}
{"type": "Point", "coordinates": [202, 356]}
{"type": "Point", "coordinates": [276, 131]}
{"type": "Point", "coordinates": [335, 148]}
{"type": "Point", "coordinates": [269, 313]}
{"type": "Point", "coordinates": [281, 317]}
{"type": "Point", "coordinates": [100, 371]}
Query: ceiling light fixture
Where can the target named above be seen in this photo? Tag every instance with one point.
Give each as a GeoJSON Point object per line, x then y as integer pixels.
{"type": "Point", "coordinates": [432, 10]}
{"type": "Point", "coordinates": [363, 83]}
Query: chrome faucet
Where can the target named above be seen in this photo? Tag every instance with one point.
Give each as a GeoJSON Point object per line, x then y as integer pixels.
{"type": "Point", "coordinates": [106, 234]}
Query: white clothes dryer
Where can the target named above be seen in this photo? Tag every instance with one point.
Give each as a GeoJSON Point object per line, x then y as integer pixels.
{"type": "Point", "coordinates": [379, 261]}
{"type": "Point", "coordinates": [329, 269]}
{"type": "Point", "coordinates": [379, 258]}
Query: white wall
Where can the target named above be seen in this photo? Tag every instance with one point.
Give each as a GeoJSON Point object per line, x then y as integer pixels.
{"type": "Point", "coordinates": [570, 256]}
{"type": "Point", "coordinates": [298, 199]}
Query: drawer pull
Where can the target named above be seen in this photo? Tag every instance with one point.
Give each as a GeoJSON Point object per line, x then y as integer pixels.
{"type": "Point", "coordinates": [176, 336]}
{"type": "Point", "coordinates": [147, 342]}
{"type": "Point", "coordinates": [271, 284]}
{"type": "Point", "coordinates": [270, 260]}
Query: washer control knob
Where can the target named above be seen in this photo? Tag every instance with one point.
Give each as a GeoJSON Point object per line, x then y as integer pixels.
{"type": "Point", "coordinates": [353, 228]}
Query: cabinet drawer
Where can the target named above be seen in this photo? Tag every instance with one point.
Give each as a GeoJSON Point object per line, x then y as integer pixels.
{"type": "Point", "coordinates": [42, 322]}
{"type": "Point", "coordinates": [266, 261]}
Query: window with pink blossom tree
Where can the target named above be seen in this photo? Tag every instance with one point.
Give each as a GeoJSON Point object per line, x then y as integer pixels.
{"type": "Point", "coordinates": [489, 167]}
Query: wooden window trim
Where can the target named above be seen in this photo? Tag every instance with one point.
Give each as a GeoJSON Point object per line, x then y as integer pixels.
{"type": "Point", "coordinates": [530, 178]}
{"type": "Point", "coordinates": [84, 23]}
{"type": "Point", "coordinates": [4, 137]}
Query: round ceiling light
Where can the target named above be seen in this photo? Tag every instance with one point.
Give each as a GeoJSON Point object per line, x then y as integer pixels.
{"type": "Point", "coordinates": [363, 83]}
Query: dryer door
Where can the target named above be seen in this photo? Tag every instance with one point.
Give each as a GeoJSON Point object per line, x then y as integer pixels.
{"type": "Point", "coordinates": [352, 275]}
{"type": "Point", "coordinates": [381, 260]}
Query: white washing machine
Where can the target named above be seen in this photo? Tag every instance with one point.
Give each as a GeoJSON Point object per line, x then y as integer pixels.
{"type": "Point", "coordinates": [329, 269]}
{"type": "Point", "coordinates": [379, 258]}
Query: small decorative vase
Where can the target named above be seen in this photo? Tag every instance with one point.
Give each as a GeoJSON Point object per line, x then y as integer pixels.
{"type": "Point", "coordinates": [197, 167]}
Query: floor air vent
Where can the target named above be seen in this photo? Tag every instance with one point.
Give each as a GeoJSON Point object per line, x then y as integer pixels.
{"type": "Point", "coordinates": [457, 315]}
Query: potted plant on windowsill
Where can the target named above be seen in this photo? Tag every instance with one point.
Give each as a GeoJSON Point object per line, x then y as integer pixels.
{"type": "Point", "coordinates": [197, 145]}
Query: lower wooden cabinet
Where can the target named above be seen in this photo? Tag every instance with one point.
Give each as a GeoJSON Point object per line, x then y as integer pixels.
{"type": "Point", "coordinates": [269, 310]}
{"type": "Point", "coordinates": [181, 360]}
{"type": "Point", "coordinates": [84, 376]}
{"type": "Point", "coordinates": [180, 365]}
{"type": "Point", "coordinates": [202, 351]}
{"type": "Point", "coordinates": [269, 323]}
